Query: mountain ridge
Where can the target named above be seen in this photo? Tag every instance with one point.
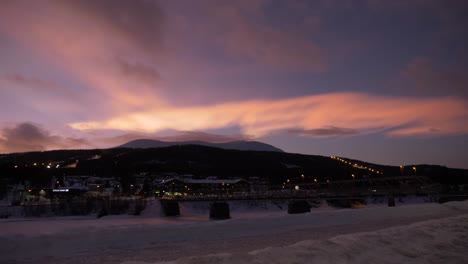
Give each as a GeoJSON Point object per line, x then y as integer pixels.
{"type": "Point", "coordinates": [234, 145]}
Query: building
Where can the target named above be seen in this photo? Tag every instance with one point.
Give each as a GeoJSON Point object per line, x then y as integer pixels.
{"type": "Point", "coordinates": [177, 186]}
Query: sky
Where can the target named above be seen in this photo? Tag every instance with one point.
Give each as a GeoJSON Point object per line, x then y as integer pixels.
{"type": "Point", "coordinates": [381, 81]}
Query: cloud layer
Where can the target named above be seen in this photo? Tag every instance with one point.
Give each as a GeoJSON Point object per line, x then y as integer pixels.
{"type": "Point", "coordinates": [318, 115]}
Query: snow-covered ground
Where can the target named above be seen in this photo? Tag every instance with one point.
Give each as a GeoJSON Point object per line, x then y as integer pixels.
{"type": "Point", "coordinates": [258, 233]}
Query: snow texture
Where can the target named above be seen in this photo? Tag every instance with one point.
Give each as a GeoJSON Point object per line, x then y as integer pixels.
{"type": "Point", "coordinates": [259, 233]}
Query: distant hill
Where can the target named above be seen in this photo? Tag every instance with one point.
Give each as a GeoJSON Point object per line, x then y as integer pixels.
{"type": "Point", "coordinates": [236, 145]}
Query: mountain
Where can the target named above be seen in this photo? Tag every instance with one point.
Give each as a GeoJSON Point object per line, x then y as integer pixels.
{"type": "Point", "coordinates": [236, 145]}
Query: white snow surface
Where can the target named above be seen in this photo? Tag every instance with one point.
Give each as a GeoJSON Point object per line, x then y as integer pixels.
{"type": "Point", "coordinates": [258, 233]}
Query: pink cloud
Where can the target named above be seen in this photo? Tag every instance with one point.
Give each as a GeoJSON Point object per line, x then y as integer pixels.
{"type": "Point", "coordinates": [353, 111]}
{"type": "Point", "coordinates": [84, 38]}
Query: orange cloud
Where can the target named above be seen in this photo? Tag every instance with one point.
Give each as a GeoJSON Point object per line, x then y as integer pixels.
{"type": "Point", "coordinates": [355, 111]}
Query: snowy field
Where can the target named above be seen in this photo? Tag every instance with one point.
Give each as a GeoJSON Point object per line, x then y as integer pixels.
{"type": "Point", "coordinates": [257, 233]}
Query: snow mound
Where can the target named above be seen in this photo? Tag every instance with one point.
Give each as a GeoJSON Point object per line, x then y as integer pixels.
{"type": "Point", "coordinates": [434, 241]}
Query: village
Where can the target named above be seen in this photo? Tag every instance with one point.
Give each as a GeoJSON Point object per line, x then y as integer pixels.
{"type": "Point", "coordinates": [167, 185]}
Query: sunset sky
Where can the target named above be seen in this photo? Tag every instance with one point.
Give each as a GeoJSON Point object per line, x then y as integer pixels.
{"type": "Point", "coordinates": [376, 80]}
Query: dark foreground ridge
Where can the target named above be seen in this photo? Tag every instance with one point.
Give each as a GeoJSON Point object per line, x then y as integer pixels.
{"type": "Point", "coordinates": [202, 161]}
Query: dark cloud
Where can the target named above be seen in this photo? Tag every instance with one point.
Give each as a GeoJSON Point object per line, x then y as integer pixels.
{"type": "Point", "coordinates": [427, 78]}
{"type": "Point", "coordinates": [21, 79]}
{"type": "Point", "coordinates": [327, 131]}
{"type": "Point", "coordinates": [454, 6]}
{"type": "Point", "coordinates": [140, 21]}
{"type": "Point", "coordinates": [246, 35]}
{"type": "Point", "coordinates": [30, 137]}
{"type": "Point", "coordinates": [138, 71]}
{"type": "Point", "coordinates": [448, 19]}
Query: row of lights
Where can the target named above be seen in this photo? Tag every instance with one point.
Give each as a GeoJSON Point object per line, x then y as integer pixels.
{"type": "Point", "coordinates": [355, 165]}
{"type": "Point", "coordinates": [36, 165]}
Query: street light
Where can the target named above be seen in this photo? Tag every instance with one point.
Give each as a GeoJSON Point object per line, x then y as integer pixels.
{"type": "Point", "coordinates": [414, 168]}
{"type": "Point", "coordinates": [401, 169]}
